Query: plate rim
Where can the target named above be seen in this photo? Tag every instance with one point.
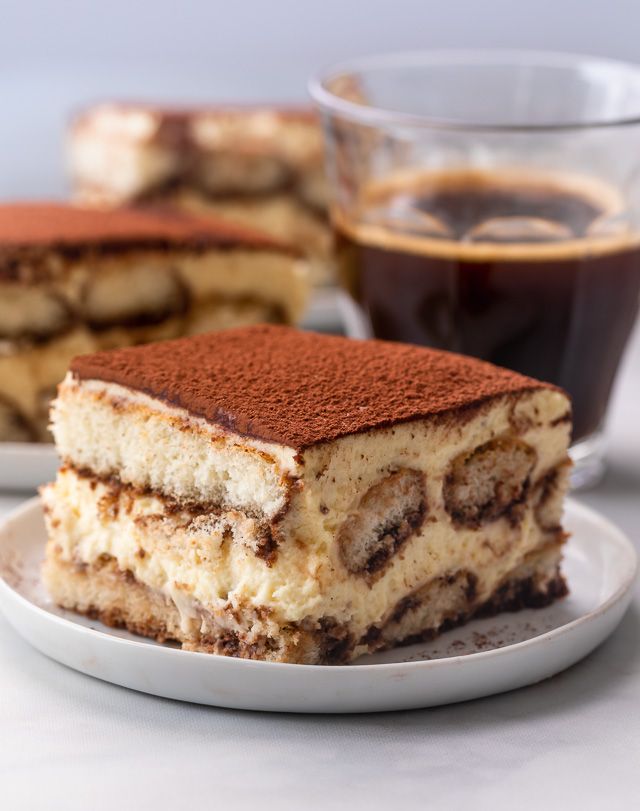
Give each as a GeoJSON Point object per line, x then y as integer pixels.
{"type": "Point", "coordinates": [621, 539]}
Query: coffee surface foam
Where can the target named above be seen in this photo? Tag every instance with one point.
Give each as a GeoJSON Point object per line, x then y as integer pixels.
{"type": "Point", "coordinates": [489, 216]}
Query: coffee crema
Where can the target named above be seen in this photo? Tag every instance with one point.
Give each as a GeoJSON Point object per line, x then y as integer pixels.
{"type": "Point", "coordinates": [532, 271]}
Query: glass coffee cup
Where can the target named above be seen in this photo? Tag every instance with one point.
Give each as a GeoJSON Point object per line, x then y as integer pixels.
{"type": "Point", "coordinates": [489, 203]}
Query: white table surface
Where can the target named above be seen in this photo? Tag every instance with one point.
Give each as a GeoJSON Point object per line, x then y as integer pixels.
{"type": "Point", "coordinates": [71, 742]}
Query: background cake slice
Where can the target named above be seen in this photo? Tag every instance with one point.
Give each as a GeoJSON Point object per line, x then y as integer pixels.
{"type": "Point", "coordinates": [280, 495]}
{"type": "Point", "coordinates": [75, 280]}
{"type": "Point", "coordinates": [261, 166]}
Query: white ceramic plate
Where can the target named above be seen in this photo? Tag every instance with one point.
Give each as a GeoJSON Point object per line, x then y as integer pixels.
{"type": "Point", "coordinates": [485, 657]}
{"type": "Point", "coordinates": [26, 465]}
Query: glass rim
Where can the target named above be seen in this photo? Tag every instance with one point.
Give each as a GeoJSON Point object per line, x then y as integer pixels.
{"type": "Point", "coordinates": [329, 102]}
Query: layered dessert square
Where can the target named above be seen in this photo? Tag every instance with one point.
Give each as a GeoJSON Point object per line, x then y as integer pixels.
{"type": "Point", "coordinates": [293, 497]}
{"type": "Point", "coordinates": [261, 166]}
{"type": "Point", "coordinates": [73, 281]}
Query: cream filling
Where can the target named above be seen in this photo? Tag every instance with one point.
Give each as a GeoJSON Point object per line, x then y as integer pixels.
{"type": "Point", "coordinates": [195, 565]}
{"type": "Point", "coordinates": [189, 561]}
{"type": "Point", "coordinates": [308, 578]}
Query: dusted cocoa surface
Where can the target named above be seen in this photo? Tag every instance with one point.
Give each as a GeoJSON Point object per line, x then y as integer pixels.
{"type": "Point", "coordinates": [70, 229]}
{"type": "Point", "coordinates": [299, 388]}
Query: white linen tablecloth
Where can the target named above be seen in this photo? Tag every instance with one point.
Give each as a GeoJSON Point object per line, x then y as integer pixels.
{"type": "Point", "coordinates": [71, 742]}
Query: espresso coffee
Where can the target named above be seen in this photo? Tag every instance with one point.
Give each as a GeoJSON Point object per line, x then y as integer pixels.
{"type": "Point", "coordinates": [532, 272]}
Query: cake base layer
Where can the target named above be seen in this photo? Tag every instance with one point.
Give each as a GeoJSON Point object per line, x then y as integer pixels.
{"type": "Point", "coordinates": [116, 598]}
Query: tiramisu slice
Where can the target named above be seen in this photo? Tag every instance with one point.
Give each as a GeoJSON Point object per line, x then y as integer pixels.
{"type": "Point", "coordinates": [73, 281]}
{"type": "Point", "coordinates": [260, 165]}
{"type": "Point", "coordinates": [287, 496]}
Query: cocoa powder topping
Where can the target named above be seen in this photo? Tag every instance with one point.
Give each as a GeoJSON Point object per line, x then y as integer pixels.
{"type": "Point", "coordinates": [300, 388]}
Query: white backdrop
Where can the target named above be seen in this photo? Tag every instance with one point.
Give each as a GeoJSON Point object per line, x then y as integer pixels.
{"type": "Point", "coordinates": [57, 54]}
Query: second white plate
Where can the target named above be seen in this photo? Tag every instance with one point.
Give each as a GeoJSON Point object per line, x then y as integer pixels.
{"type": "Point", "coordinates": [484, 657]}
{"type": "Point", "coordinates": [26, 465]}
